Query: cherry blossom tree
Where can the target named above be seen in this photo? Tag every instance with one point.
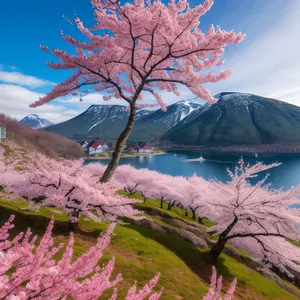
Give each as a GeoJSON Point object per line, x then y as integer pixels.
{"type": "Point", "coordinates": [142, 48]}
{"type": "Point", "coordinates": [256, 217]}
{"type": "Point", "coordinates": [68, 185]}
{"type": "Point", "coordinates": [29, 271]}
{"type": "Point", "coordinates": [195, 194]}
{"type": "Point", "coordinates": [130, 179]}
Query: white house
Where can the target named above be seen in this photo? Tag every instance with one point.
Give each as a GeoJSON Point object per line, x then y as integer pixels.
{"type": "Point", "coordinates": [105, 147]}
{"type": "Point", "coordinates": [2, 132]}
{"type": "Point", "coordinates": [95, 147]}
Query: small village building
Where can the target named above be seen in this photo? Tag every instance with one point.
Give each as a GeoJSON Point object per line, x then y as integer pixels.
{"type": "Point", "coordinates": [94, 147]}
{"type": "Point", "coordinates": [111, 147]}
{"type": "Point", "coordinates": [2, 132]}
{"type": "Point", "coordinates": [130, 148]}
{"type": "Point", "coordinates": [142, 147]}
{"type": "Point", "coordinates": [84, 144]}
{"type": "Point", "coordinates": [105, 147]}
{"type": "Point", "coordinates": [145, 149]}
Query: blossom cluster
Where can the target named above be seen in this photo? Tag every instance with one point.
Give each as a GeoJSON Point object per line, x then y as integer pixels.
{"type": "Point", "coordinates": [143, 47]}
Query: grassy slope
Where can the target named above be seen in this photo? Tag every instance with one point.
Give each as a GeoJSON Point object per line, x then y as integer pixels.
{"type": "Point", "coordinates": [141, 253]}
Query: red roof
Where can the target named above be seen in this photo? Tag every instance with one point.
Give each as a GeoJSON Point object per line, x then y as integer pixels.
{"type": "Point", "coordinates": [130, 148]}
{"type": "Point", "coordinates": [146, 147]}
{"type": "Point", "coordinates": [95, 145]}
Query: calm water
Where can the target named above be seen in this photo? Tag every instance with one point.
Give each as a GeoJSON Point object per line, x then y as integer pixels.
{"type": "Point", "coordinates": [215, 165]}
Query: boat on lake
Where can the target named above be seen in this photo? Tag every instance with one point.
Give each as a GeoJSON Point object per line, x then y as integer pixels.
{"type": "Point", "coordinates": [200, 159]}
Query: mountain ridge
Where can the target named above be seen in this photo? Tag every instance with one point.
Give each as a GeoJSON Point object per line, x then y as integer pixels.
{"type": "Point", "coordinates": [238, 119]}
{"type": "Point", "coordinates": [106, 122]}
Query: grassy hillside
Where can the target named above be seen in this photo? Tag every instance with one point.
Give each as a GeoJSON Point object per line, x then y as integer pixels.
{"type": "Point", "coordinates": [141, 253]}
{"type": "Point", "coordinates": [52, 145]}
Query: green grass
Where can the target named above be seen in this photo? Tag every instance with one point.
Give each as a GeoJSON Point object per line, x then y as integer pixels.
{"type": "Point", "coordinates": [141, 253]}
{"type": "Point", "coordinates": [175, 212]}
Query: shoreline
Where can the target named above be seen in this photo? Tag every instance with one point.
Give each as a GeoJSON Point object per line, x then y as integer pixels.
{"type": "Point", "coordinates": [271, 148]}
{"type": "Point", "coordinates": [123, 156]}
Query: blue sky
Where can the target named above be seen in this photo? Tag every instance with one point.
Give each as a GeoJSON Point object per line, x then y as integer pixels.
{"type": "Point", "coordinates": [266, 63]}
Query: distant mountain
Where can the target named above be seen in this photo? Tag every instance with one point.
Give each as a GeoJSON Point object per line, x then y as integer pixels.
{"type": "Point", "coordinates": [238, 119]}
{"type": "Point", "coordinates": [105, 122]}
{"type": "Point", "coordinates": [35, 121]}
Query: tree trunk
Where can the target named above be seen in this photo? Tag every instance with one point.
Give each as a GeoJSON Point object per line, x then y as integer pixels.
{"type": "Point", "coordinates": [169, 206]}
{"type": "Point", "coordinates": [186, 213]}
{"type": "Point", "coordinates": [200, 220]}
{"type": "Point", "coordinates": [111, 168]}
{"type": "Point", "coordinates": [194, 215]}
{"type": "Point", "coordinates": [161, 203]}
{"type": "Point", "coordinates": [217, 248]}
{"type": "Point", "coordinates": [73, 226]}
{"type": "Point", "coordinates": [74, 216]}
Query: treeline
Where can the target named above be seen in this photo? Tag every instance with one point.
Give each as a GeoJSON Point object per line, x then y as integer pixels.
{"type": "Point", "coordinates": [50, 144]}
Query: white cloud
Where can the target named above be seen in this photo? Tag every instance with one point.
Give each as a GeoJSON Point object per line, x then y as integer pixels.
{"type": "Point", "coordinates": [21, 79]}
{"type": "Point", "coordinates": [15, 100]}
{"type": "Point", "coordinates": [267, 62]}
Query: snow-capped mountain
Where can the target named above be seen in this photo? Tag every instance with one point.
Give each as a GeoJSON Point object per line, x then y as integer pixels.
{"type": "Point", "coordinates": [238, 119]}
{"type": "Point", "coordinates": [154, 125]}
{"type": "Point", "coordinates": [35, 122]}
{"type": "Point", "coordinates": [106, 122]}
{"type": "Point", "coordinates": [100, 122]}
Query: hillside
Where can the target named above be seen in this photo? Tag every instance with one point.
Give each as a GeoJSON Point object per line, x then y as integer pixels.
{"type": "Point", "coordinates": [105, 122]}
{"type": "Point", "coordinates": [141, 252]}
{"type": "Point", "coordinates": [50, 144]}
{"type": "Point", "coordinates": [35, 122]}
{"type": "Point", "coordinates": [239, 119]}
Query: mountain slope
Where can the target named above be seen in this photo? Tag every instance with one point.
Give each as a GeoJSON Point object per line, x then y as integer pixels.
{"type": "Point", "coordinates": [152, 126]}
{"type": "Point", "coordinates": [35, 122]}
{"type": "Point", "coordinates": [29, 140]}
{"type": "Point", "coordinates": [106, 122]}
{"type": "Point", "coordinates": [239, 119]}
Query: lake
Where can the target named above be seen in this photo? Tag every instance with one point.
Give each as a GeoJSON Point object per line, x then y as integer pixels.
{"type": "Point", "coordinates": [216, 163]}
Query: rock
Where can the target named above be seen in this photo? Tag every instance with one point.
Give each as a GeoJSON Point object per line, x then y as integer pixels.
{"type": "Point", "coordinates": [179, 223]}
{"type": "Point", "coordinates": [196, 230]}
{"type": "Point", "coordinates": [210, 243]}
{"type": "Point", "coordinates": [273, 277]}
{"type": "Point", "coordinates": [148, 223]}
{"type": "Point", "coordinates": [268, 274]}
{"type": "Point", "coordinates": [186, 235]}
{"type": "Point", "coordinates": [232, 251]}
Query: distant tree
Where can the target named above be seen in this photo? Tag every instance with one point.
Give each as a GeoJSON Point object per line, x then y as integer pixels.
{"type": "Point", "coordinates": [143, 47]}
{"type": "Point", "coordinates": [196, 192]}
{"type": "Point", "coordinates": [65, 184]}
{"type": "Point", "coordinates": [29, 271]}
{"type": "Point", "coordinates": [130, 179]}
{"type": "Point", "coordinates": [256, 217]}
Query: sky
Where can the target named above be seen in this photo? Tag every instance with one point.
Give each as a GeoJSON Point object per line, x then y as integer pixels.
{"type": "Point", "coordinates": [266, 63]}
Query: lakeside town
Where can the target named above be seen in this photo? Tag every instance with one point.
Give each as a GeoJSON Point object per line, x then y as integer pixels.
{"type": "Point", "coordinates": [101, 150]}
